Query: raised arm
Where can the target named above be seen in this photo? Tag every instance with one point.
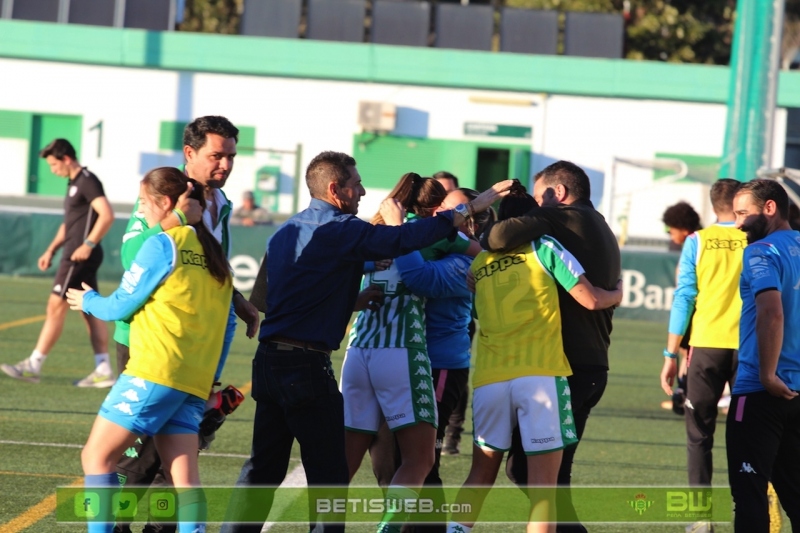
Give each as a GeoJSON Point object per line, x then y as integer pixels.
{"type": "Point", "coordinates": [508, 234]}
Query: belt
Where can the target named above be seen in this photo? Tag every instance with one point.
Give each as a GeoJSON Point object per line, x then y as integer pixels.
{"type": "Point", "coordinates": [303, 345]}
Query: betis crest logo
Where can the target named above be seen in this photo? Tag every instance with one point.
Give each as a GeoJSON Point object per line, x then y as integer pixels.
{"type": "Point", "coordinates": [640, 503]}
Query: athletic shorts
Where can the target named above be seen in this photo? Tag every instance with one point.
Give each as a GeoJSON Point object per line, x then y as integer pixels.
{"type": "Point", "coordinates": [391, 384]}
{"type": "Point", "coordinates": [540, 405]}
{"type": "Point", "coordinates": [71, 275]}
{"type": "Point", "coordinates": [145, 408]}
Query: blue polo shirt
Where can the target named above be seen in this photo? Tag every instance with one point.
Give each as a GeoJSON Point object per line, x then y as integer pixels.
{"type": "Point", "coordinates": [773, 263]}
{"type": "Point", "coordinates": [316, 260]}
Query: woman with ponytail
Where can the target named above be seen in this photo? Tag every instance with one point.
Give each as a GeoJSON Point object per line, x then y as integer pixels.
{"type": "Point", "coordinates": [177, 294]}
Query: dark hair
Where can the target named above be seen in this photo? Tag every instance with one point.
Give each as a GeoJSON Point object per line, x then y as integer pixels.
{"type": "Point", "coordinates": [58, 149]}
{"type": "Point", "coordinates": [517, 203]}
{"type": "Point", "coordinates": [195, 132]}
{"type": "Point", "coordinates": [568, 174]}
{"type": "Point", "coordinates": [762, 190]}
{"type": "Point", "coordinates": [417, 195]}
{"type": "Point", "coordinates": [722, 193]}
{"type": "Point", "coordinates": [682, 216]}
{"type": "Point", "coordinates": [444, 175]}
{"type": "Point", "coordinates": [325, 168]}
{"type": "Point", "coordinates": [171, 182]}
{"type": "Point", "coordinates": [482, 219]}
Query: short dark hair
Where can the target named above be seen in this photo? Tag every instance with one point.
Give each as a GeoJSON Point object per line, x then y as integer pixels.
{"type": "Point", "coordinates": [194, 134]}
{"type": "Point", "coordinates": [58, 149]}
{"type": "Point", "coordinates": [681, 216]}
{"type": "Point", "coordinates": [722, 193]}
{"type": "Point", "coordinates": [762, 190]}
{"type": "Point", "coordinates": [444, 175]}
{"type": "Point", "coordinates": [325, 168]}
{"type": "Point", "coordinates": [568, 174]}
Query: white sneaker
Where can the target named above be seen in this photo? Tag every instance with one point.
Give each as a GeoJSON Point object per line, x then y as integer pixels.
{"type": "Point", "coordinates": [97, 380]}
{"type": "Point", "coordinates": [22, 371]}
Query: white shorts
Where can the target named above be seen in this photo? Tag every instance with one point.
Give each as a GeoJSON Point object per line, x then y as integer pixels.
{"type": "Point", "coordinates": [540, 405]}
{"type": "Point", "coordinates": [391, 384]}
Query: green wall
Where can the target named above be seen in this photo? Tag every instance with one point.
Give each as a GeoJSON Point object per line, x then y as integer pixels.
{"type": "Point", "coordinates": [301, 58]}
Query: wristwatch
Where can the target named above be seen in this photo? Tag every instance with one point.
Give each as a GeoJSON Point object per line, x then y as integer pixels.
{"type": "Point", "coordinates": [463, 210]}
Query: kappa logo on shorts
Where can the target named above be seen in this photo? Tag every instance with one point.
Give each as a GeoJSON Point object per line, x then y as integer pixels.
{"type": "Point", "coordinates": [567, 421]}
{"type": "Point", "coordinates": [138, 382]}
{"type": "Point", "coordinates": [420, 357]}
{"type": "Point", "coordinates": [424, 413]}
{"type": "Point", "coordinates": [747, 469]}
{"type": "Point", "coordinates": [421, 372]}
{"type": "Point", "coordinates": [567, 405]}
{"type": "Point", "coordinates": [570, 434]}
{"type": "Point", "coordinates": [566, 391]}
{"type": "Point", "coordinates": [422, 386]}
{"type": "Point", "coordinates": [414, 311]}
{"type": "Point", "coordinates": [424, 400]}
{"type": "Point", "coordinates": [131, 395]}
{"type": "Point", "coordinates": [543, 440]}
{"type": "Point", "coordinates": [124, 407]}
{"type": "Point", "coordinates": [416, 325]}
{"type": "Point", "coordinates": [416, 338]}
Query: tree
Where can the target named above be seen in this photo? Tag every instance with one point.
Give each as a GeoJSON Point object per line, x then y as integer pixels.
{"type": "Point", "coordinates": [212, 16]}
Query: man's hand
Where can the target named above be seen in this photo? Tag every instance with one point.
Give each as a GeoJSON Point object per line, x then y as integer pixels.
{"type": "Point", "coordinates": [491, 195]}
{"type": "Point", "coordinates": [776, 387]}
{"type": "Point", "coordinates": [618, 289]}
{"type": "Point", "coordinates": [392, 212]}
{"type": "Point", "coordinates": [81, 254]}
{"type": "Point", "coordinates": [247, 312]}
{"type": "Point", "coordinates": [190, 207]}
{"type": "Point", "coordinates": [668, 374]}
{"type": "Point", "coordinates": [75, 297]}
{"type": "Point", "coordinates": [45, 260]}
{"type": "Point", "coordinates": [370, 299]}
{"type": "Point", "coordinates": [382, 264]}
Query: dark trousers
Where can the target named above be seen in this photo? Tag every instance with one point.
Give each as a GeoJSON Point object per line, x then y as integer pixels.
{"type": "Point", "coordinates": [296, 398]}
{"type": "Point", "coordinates": [140, 465]}
{"type": "Point", "coordinates": [587, 385]}
{"type": "Point", "coordinates": [709, 370]}
{"type": "Point", "coordinates": [450, 387]}
{"type": "Point", "coordinates": [763, 443]}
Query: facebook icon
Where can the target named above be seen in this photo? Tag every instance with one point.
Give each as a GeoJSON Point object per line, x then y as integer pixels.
{"type": "Point", "coordinates": [87, 504]}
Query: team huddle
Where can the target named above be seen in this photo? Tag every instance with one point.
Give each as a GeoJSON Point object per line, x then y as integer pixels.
{"type": "Point", "coordinates": [541, 276]}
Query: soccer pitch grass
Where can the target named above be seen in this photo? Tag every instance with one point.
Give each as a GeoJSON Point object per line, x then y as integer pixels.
{"type": "Point", "coordinates": [630, 440]}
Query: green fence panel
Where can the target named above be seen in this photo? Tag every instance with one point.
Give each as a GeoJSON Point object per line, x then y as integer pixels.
{"type": "Point", "coordinates": [648, 277]}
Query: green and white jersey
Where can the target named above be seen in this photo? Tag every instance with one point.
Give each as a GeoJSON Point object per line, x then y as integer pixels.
{"type": "Point", "coordinates": [400, 320]}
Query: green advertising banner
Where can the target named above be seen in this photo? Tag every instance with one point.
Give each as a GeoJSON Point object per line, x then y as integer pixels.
{"type": "Point", "coordinates": [648, 277]}
{"type": "Point", "coordinates": [369, 504]}
{"type": "Point", "coordinates": [26, 236]}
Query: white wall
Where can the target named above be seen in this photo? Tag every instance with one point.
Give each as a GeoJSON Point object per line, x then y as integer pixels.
{"type": "Point", "coordinates": [322, 115]}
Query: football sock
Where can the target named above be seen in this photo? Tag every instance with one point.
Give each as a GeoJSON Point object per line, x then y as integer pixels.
{"type": "Point", "coordinates": [102, 363]}
{"type": "Point", "coordinates": [37, 359]}
{"type": "Point", "coordinates": [396, 513]}
{"type": "Point", "coordinates": [192, 511]}
{"type": "Point", "coordinates": [100, 502]}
